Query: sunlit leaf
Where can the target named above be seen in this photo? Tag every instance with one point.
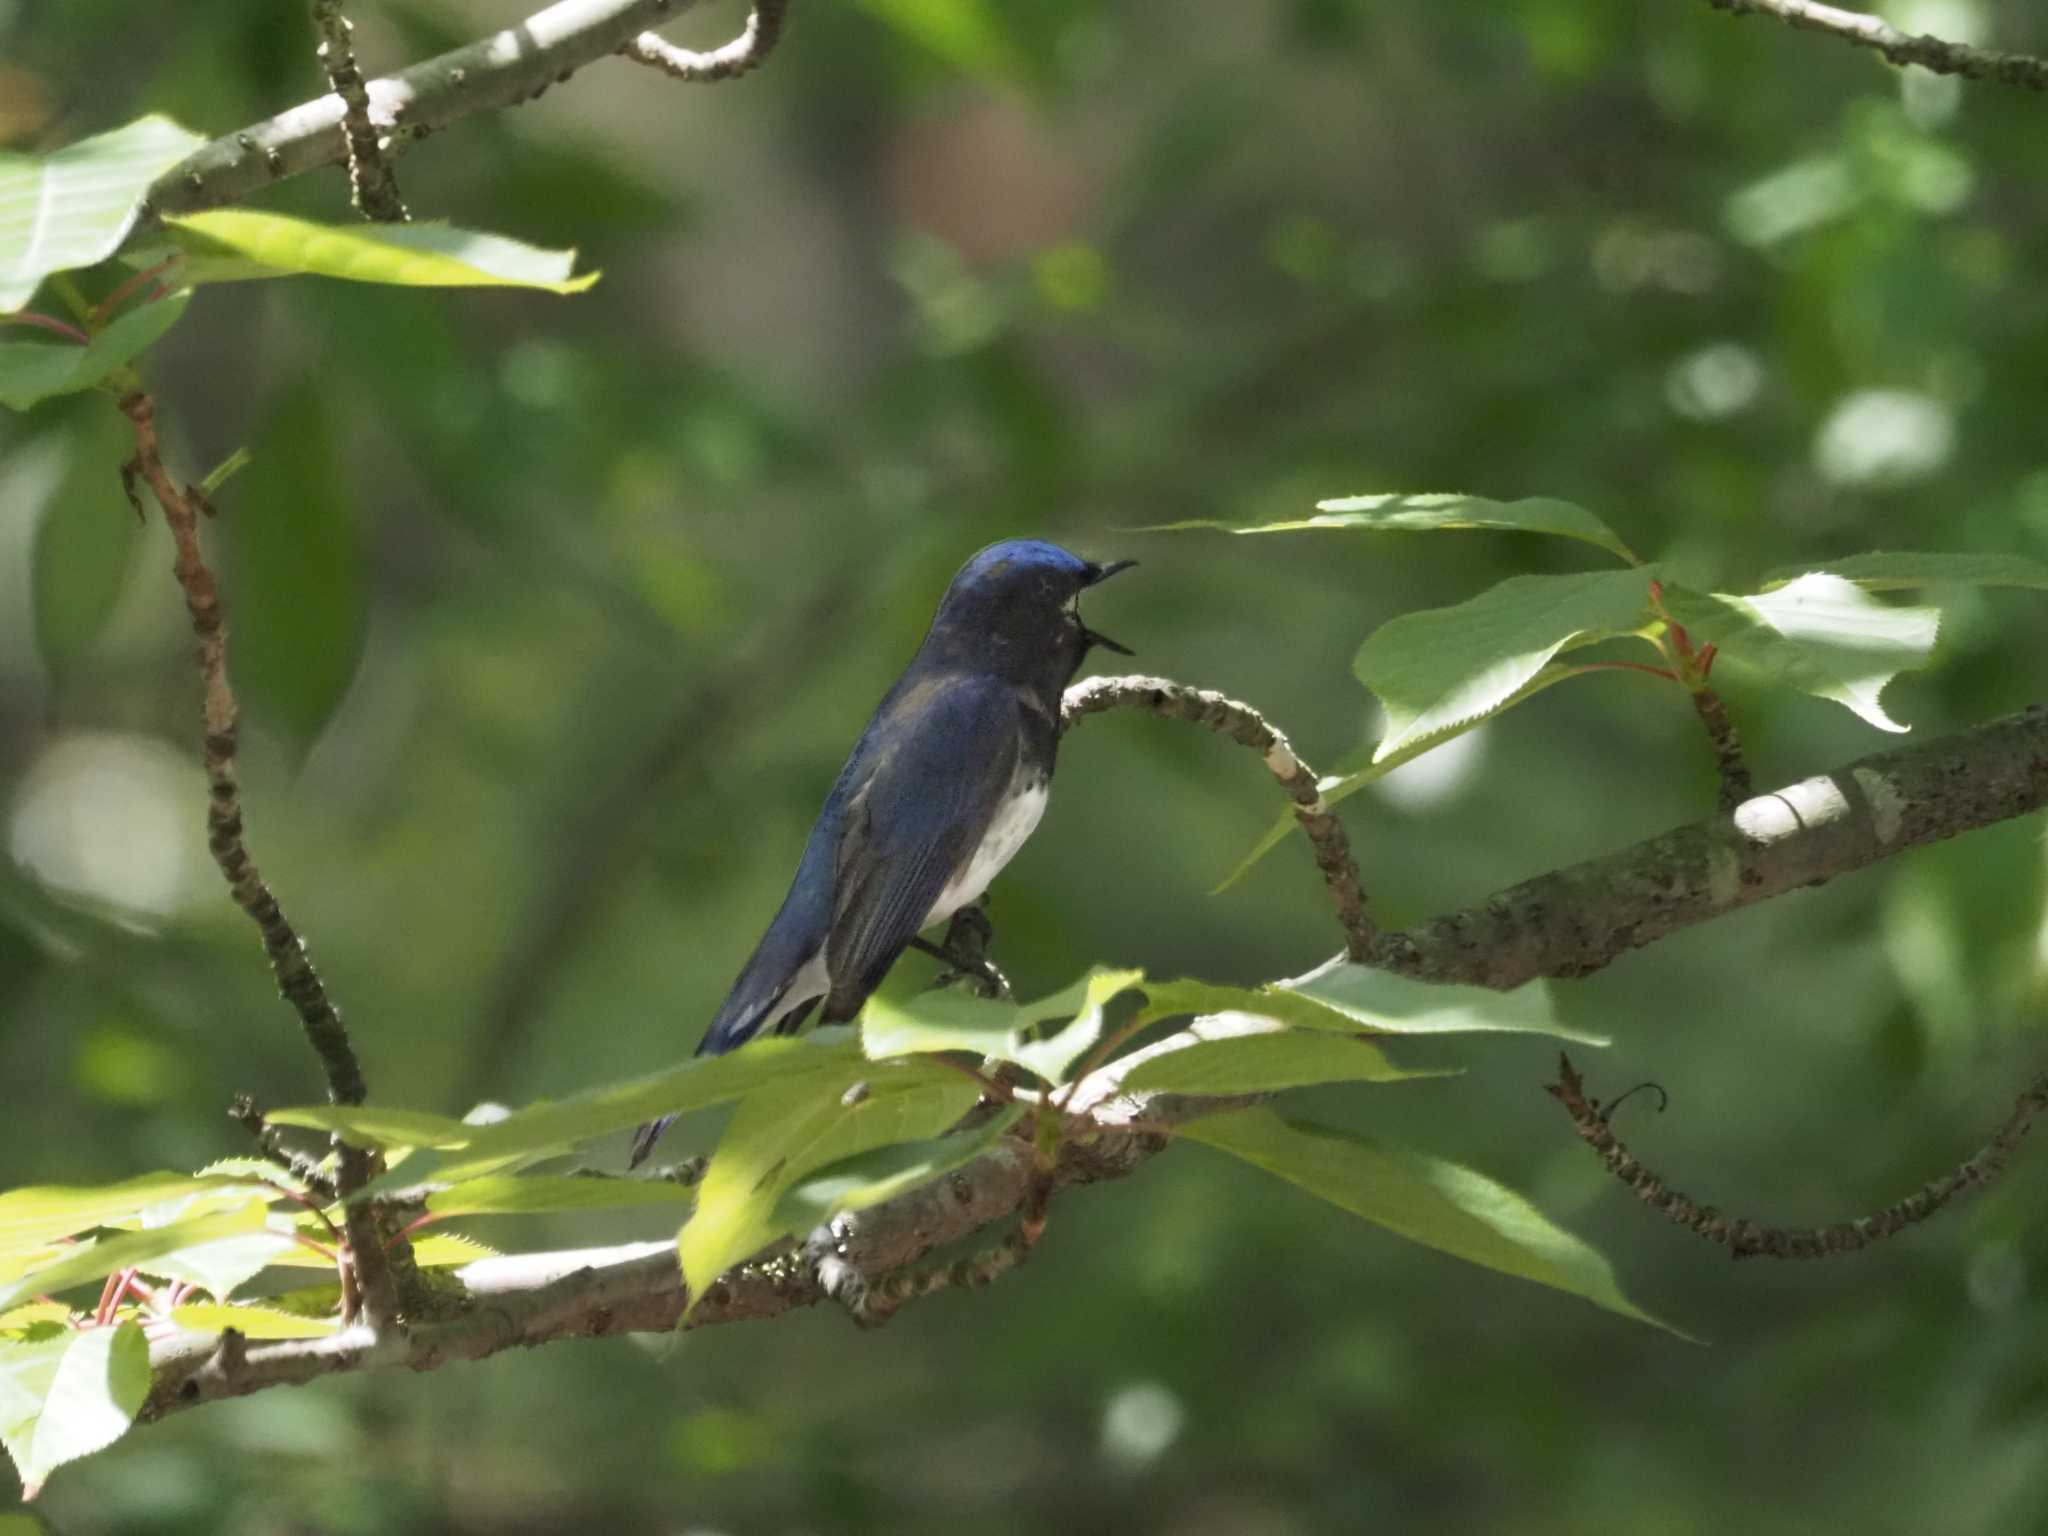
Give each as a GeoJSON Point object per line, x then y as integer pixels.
{"type": "Point", "coordinates": [68, 1396]}
{"type": "Point", "coordinates": [1820, 634]}
{"type": "Point", "coordinates": [1893, 571]}
{"type": "Point", "coordinates": [503, 1196]}
{"type": "Point", "coordinates": [947, 1020]}
{"type": "Point", "coordinates": [295, 566]}
{"type": "Point", "coordinates": [34, 371]}
{"type": "Point", "coordinates": [869, 1178]}
{"type": "Point", "coordinates": [1401, 1005]}
{"type": "Point", "coordinates": [72, 207]}
{"type": "Point", "coordinates": [85, 1262]}
{"type": "Point", "coordinates": [376, 1125]}
{"type": "Point", "coordinates": [252, 1321]}
{"type": "Point", "coordinates": [1425, 512]}
{"type": "Point", "coordinates": [231, 244]}
{"type": "Point", "coordinates": [30, 1218]}
{"type": "Point", "coordinates": [1253, 1053]}
{"type": "Point", "coordinates": [1444, 668]}
{"type": "Point", "coordinates": [787, 1130]}
{"type": "Point", "coordinates": [1421, 1198]}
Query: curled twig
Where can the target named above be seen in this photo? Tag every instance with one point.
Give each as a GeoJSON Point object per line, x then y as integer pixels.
{"type": "Point", "coordinates": [1937, 54]}
{"type": "Point", "coordinates": [744, 53]}
{"type": "Point", "coordinates": [1745, 1239]}
{"type": "Point", "coordinates": [372, 185]}
{"type": "Point", "coordinates": [1245, 725]}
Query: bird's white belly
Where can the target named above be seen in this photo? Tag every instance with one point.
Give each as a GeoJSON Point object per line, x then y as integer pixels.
{"type": "Point", "coordinates": [1012, 825]}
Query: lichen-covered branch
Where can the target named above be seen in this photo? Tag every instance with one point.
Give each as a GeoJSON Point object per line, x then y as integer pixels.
{"type": "Point", "coordinates": [1746, 1239]}
{"type": "Point", "coordinates": [372, 186]}
{"type": "Point", "coordinates": [1867, 31]}
{"type": "Point", "coordinates": [1574, 921]}
{"type": "Point", "coordinates": [1246, 726]}
{"type": "Point", "coordinates": [510, 66]}
{"type": "Point", "coordinates": [744, 53]}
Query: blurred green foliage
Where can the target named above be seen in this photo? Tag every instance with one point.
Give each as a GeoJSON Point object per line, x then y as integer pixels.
{"type": "Point", "coordinates": [629, 570]}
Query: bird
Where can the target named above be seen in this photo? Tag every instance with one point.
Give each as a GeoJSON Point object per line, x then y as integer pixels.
{"type": "Point", "coordinates": [943, 787]}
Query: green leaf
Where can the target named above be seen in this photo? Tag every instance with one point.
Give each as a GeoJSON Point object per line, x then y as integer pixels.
{"type": "Point", "coordinates": [252, 1321]}
{"type": "Point", "coordinates": [1401, 1005]}
{"type": "Point", "coordinates": [498, 1195]}
{"type": "Point", "coordinates": [73, 207]}
{"type": "Point", "coordinates": [430, 1250]}
{"type": "Point", "coordinates": [868, 1178]}
{"type": "Point", "coordinates": [85, 542]}
{"type": "Point", "coordinates": [231, 244]}
{"type": "Point", "coordinates": [946, 1020]}
{"type": "Point", "coordinates": [1820, 634]}
{"type": "Point", "coordinates": [34, 371]}
{"type": "Point", "coordinates": [787, 1130]}
{"type": "Point", "coordinates": [1397, 512]}
{"type": "Point", "coordinates": [1895, 571]}
{"type": "Point", "coordinates": [1249, 1053]}
{"type": "Point", "coordinates": [85, 1262]}
{"type": "Point", "coordinates": [974, 36]}
{"type": "Point", "coordinates": [1421, 1198]}
{"type": "Point", "coordinates": [66, 1397]}
{"type": "Point", "coordinates": [33, 1217]}
{"type": "Point", "coordinates": [295, 563]}
{"type": "Point", "coordinates": [377, 1125]}
{"type": "Point", "coordinates": [1443, 669]}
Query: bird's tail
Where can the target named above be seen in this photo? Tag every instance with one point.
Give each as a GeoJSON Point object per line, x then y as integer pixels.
{"type": "Point", "coordinates": [725, 1034]}
{"type": "Point", "coordinates": [645, 1138]}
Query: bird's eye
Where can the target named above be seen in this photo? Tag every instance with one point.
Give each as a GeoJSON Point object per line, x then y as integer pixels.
{"type": "Point", "coordinates": [1048, 588]}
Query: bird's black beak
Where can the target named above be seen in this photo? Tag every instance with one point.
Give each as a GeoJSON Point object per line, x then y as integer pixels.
{"type": "Point", "coordinates": [1089, 638]}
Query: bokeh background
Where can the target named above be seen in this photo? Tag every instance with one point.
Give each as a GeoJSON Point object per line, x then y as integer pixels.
{"type": "Point", "coordinates": [554, 617]}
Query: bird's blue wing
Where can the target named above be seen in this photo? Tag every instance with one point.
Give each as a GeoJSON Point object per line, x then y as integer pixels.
{"type": "Point", "coordinates": [945, 758]}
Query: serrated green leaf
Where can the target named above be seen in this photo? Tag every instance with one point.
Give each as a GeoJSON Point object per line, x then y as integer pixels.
{"type": "Point", "coordinates": [500, 1195]}
{"type": "Point", "coordinates": [85, 1262]}
{"type": "Point", "coordinates": [377, 1125]}
{"type": "Point", "coordinates": [295, 567]}
{"type": "Point", "coordinates": [1253, 1053]}
{"type": "Point", "coordinates": [1421, 1198]}
{"type": "Point", "coordinates": [74, 206]}
{"type": "Point", "coordinates": [36, 1320]}
{"type": "Point", "coordinates": [86, 537]}
{"type": "Point", "coordinates": [945, 1020]}
{"type": "Point", "coordinates": [31, 1218]}
{"type": "Point", "coordinates": [220, 1267]}
{"type": "Point", "coordinates": [430, 1250]}
{"type": "Point", "coordinates": [66, 1397]}
{"type": "Point", "coordinates": [251, 1320]}
{"type": "Point", "coordinates": [1893, 571]}
{"type": "Point", "coordinates": [869, 1178]}
{"type": "Point", "coordinates": [34, 371]}
{"type": "Point", "coordinates": [1429, 511]}
{"type": "Point", "coordinates": [1400, 1005]}
{"type": "Point", "coordinates": [233, 244]}
{"type": "Point", "coordinates": [1442, 669]}
{"type": "Point", "coordinates": [1820, 634]}
{"type": "Point", "coordinates": [787, 1130]}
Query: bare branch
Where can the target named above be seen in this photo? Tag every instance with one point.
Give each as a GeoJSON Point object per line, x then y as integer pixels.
{"type": "Point", "coordinates": [744, 53]}
{"type": "Point", "coordinates": [1745, 1239]}
{"type": "Point", "coordinates": [1736, 785]}
{"type": "Point", "coordinates": [502, 70]}
{"type": "Point", "coordinates": [1246, 726]}
{"type": "Point", "coordinates": [1572, 922]}
{"type": "Point", "coordinates": [1944, 58]}
{"type": "Point", "coordinates": [372, 186]}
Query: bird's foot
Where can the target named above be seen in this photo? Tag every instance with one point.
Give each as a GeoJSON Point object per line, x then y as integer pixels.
{"type": "Point", "coordinates": [965, 951]}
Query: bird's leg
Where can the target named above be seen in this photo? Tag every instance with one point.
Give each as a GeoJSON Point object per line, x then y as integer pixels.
{"type": "Point", "coordinates": [965, 949]}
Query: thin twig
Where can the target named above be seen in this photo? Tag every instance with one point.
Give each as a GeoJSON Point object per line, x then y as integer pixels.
{"type": "Point", "coordinates": [50, 323]}
{"type": "Point", "coordinates": [372, 186]}
{"type": "Point", "coordinates": [1736, 785]}
{"type": "Point", "coordinates": [1246, 726]}
{"type": "Point", "coordinates": [271, 1148]}
{"type": "Point", "coordinates": [1944, 58]}
{"type": "Point", "coordinates": [744, 53]}
{"type": "Point", "coordinates": [1745, 1239]}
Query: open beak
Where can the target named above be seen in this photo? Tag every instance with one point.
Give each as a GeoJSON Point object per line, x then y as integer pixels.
{"type": "Point", "coordinates": [1089, 638]}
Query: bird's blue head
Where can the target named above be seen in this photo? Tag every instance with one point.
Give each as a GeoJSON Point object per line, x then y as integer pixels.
{"type": "Point", "coordinates": [1014, 609]}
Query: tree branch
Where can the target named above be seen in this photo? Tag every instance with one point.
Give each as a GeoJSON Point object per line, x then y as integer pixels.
{"type": "Point", "coordinates": [746, 52]}
{"type": "Point", "coordinates": [1745, 1239]}
{"type": "Point", "coordinates": [372, 187]}
{"type": "Point", "coordinates": [502, 70]}
{"type": "Point", "coordinates": [1574, 921]}
{"type": "Point", "coordinates": [1944, 58]}
{"type": "Point", "coordinates": [1246, 726]}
